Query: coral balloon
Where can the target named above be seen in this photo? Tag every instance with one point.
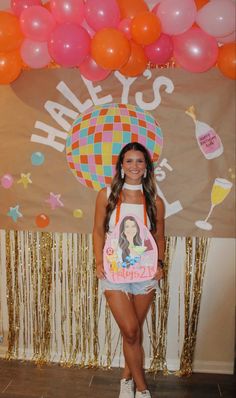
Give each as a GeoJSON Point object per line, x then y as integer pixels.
{"type": "Point", "coordinates": [37, 23]}
{"type": "Point", "coordinates": [217, 18]}
{"type": "Point", "coordinates": [200, 3]}
{"type": "Point", "coordinates": [155, 8]}
{"type": "Point", "coordinates": [71, 11]}
{"type": "Point", "coordinates": [92, 71]}
{"type": "Point", "coordinates": [42, 220]}
{"type": "Point", "coordinates": [145, 28]}
{"type": "Point", "coordinates": [10, 66]}
{"type": "Point", "coordinates": [18, 6]}
{"type": "Point", "coordinates": [161, 50]}
{"type": "Point", "coordinates": [195, 50]}
{"type": "Point", "coordinates": [69, 44]}
{"type": "Point", "coordinates": [227, 39]}
{"type": "Point", "coordinates": [110, 48]}
{"type": "Point", "coordinates": [130, 8]}
{"type": "Point", "coordinates": [125, 27]}
{"type": "Point", "coordinates": [137, 61]}
{"type": "Point", "coordinates": [226, 61]}
{"type": "Point", "coordinates": [102, 14]}
{"type": "Point", "coordinates": [176, 16]}
{"type": "Point", "coordinates": [35, 53]}
{"type": "Point", "coordinates": [10, 32]}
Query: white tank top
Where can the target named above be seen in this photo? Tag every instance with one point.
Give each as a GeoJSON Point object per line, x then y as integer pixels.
{"type": "Point", "coordinates": [126, 209]}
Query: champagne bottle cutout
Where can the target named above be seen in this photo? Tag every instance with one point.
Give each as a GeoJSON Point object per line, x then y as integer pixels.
{"type": "Point", "coordinates": [208, 140]}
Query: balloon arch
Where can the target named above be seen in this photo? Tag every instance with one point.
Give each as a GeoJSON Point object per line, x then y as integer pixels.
{"type": "Point", "coordinates": [101, 36]}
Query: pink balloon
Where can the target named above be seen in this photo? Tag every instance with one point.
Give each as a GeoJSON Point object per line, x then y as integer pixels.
{"type": "Point", "coordinates": [18, 6]}
{"type": "Point", "coordinates": [227, 39]}
{"type": "Point", "coordinates": [125, 26]}
{"type": "Point", "coordinates": [88, 28]}
{"type": "Point", "coordinates": [37, 23]}
{"type": "Point", "coordinates": [176, 16]}
{"type": "Point", "coordinates": [71, 11]}
{"type": "Point", "coordinates": [35, 53]}
{"type": "Point", "coordinates": [155, 7]}
{"type": "Point", "coordinates": [195, 50]}
{"type": "Point", "coordinates": [217, 17]}
{"type": "Point", "coordinates": [102, 14]}
{"type": "Point", "coordinates": [92, 71]}
{"type": "Point", "coordinates": [69, 44]}
{"type": "Point", "coordinates": [161, 50]}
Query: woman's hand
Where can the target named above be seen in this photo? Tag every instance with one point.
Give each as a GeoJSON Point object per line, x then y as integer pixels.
{"type": "Point", "coordinates": [100, 272]}
{"type": "Point", "coordinates": [159, 273]}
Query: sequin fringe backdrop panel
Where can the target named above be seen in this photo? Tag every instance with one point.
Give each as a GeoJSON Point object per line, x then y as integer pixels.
{"type": "Point", "coordinates": [52, 308]}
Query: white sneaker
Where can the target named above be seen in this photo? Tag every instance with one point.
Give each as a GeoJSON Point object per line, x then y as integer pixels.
{"type": "Point", "coordinates": [126, 388]}
{"type": "Point", "coordinates": [143, 394]}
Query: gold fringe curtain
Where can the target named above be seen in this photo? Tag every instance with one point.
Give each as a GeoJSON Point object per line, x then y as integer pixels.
{"type": "Point", "coordinates": [56, 312]}
{"type": "Point", "coordinates": [195, 263]}
{"type": "Point", "coordinates": [159, 315]}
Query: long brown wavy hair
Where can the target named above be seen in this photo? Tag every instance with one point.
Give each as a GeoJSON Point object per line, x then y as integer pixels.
{"type": "Point", "coordinates": [149, 185]}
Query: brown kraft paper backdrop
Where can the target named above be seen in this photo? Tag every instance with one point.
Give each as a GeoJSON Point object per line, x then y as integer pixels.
{"type": "Point", "coordinates": [185, 176]}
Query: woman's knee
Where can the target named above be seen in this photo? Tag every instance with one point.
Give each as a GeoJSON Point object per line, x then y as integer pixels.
{"type": "Point", "coordinates": [131, 335]}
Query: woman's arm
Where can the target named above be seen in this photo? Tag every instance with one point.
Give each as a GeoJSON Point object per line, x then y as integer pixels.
{"type": "Point", "coordinates": [99, 232]}
{"type": "Point", "coordinates": [159, 235]}
{"type": "Point", "coordinates": [160, 232]}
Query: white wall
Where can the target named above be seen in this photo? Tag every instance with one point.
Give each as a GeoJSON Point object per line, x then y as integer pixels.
{"type": "Point", "coordinates": [216, 329]}
{"type": "Point", "coordinates": [216, 335]}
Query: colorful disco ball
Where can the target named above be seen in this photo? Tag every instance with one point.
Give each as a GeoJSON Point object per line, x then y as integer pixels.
{"type": "Point", "coordinates": [99, 134]}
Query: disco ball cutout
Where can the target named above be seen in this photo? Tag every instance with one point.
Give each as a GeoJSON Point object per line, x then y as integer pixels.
{"type": "Point", "coordinates": [99, 134]}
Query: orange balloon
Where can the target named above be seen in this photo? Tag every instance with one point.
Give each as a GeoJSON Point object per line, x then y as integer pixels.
{"type": "Point", "coordinates": [137, 61]}
{"type": "Point", "coordinates": [110, 48]}
{"type": "Point", "coordinates": [11, 35]}
{"type": "Point", "coordinates": [130, 8]}
{"type": "Point", "coordinates": [145, 28]}
{"type": "Point", "coordinates": [226, 61]}
{"type": "Point", "coordinates": [42, 220]}
{"type": "Point", "coordinates": [10, 66]}
{"type": "Point", "coordinates": [200, 3]}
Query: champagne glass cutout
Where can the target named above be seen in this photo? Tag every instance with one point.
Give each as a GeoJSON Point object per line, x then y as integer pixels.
{"type": "Point", "coordinates": [220, 190]}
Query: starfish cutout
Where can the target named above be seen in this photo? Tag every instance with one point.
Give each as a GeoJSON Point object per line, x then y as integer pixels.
{"type": "Point", "coordinates": [14, 213]}
{"type": "Point", "coordinates": [54, 201]}
{"type": "Point", "coordinates": [25, 180]}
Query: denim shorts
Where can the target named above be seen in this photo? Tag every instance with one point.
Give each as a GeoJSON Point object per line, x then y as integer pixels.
{"type": "Point", "coordinates": [135, 288]}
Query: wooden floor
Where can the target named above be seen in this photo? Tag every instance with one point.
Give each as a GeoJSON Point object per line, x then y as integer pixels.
{"type": "Point", "coordinates": [26, 380]}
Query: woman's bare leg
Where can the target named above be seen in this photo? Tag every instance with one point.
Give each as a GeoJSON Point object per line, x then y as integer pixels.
{"type": "Point", "coordinates": [142, 304]}
{"type": "Point", "coordinates": [123, 310]}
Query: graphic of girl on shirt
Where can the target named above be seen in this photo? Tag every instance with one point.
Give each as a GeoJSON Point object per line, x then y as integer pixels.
{"type": "Point", "coordinates": [130, 241]}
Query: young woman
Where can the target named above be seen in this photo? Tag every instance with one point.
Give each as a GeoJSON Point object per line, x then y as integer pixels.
{"type": "Point", "coordinates": [133, 189]}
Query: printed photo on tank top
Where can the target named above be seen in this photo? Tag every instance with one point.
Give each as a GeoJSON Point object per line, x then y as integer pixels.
{"type": "Point", "coordinates": [130, 252]}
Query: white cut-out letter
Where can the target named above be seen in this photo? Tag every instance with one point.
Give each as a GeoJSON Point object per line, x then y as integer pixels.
{"type": "Point", "coordinates": [126, 83]}
{"type": "Point", "coordinates": [68, 94]}
{"type": "Point", "coordinates": [158, 82]}
{"type": "Point", "coordinates": [52, 134]}
{"type": "Point", "coordinates": [93, 92]}
{"type": "Point", "coordinates": [170, 208]}
{"type": "Point", "coordinates": [58, 111]}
